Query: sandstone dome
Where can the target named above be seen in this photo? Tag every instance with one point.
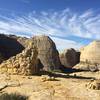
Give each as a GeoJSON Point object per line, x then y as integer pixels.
{"type": "Point", "coordinates": [91, 53]}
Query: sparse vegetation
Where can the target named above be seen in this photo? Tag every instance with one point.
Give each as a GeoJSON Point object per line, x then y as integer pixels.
{"type": "Point", "coordinates": [13, 96]}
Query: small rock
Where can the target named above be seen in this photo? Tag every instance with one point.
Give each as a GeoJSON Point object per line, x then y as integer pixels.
{"type": "Point", "coordinates": [45, 78]}
{"type": "Point", "coordinates": [92, 80]}
{"type": "Point", "coordinates": [29, 77]}
{"type": "Point", "coordinates": [75, 75]}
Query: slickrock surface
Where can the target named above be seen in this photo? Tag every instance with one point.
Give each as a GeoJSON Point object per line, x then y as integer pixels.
{"type": "Point", "coordinates": [69, 57]}
{"type": "Point", "coordinates": [65, 87]}
{"type": "Point", "coordinates": [23, 63]}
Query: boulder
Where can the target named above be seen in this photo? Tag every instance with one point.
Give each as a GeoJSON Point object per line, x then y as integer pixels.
{"type": "Point", "coordinates": [69, 58]}
{"type": "Point", "coordinates": [22, 64]}
{"type": "Point", "coordinates": [47, 53]}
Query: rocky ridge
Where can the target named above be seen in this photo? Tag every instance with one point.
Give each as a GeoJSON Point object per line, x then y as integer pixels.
{"type": "Point", "coordinates": [23, 63]}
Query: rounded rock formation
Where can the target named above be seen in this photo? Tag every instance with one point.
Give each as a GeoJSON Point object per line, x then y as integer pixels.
{"type": "Point", "coordinates": [69, 58]}
{"type": "Point", "coordinates": [91, 53]}
{"type": "Point", "coordinates": [90, 57]}
{"type": "Point", "coordinates": [47, 53]}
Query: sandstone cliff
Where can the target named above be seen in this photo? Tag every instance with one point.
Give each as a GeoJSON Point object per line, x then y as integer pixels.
{"type": "Point", "coordinates": [90, 57]}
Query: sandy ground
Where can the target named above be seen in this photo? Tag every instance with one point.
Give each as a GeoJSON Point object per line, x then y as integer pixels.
{"type": "Point", "coordinates": [64, 87]}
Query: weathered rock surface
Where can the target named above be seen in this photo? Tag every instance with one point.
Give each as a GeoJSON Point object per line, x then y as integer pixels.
{"type": "Point", "coordinates": [3, 85]}
{"type": "Point", "coordinates": [48, 56]}
{"type": "Point", "coordinates": [91, 53]}
{"type": "Point", "coordinates": [69, 58]}
{"type": "Point", "coordinates": [95, 85]}
{"type": "Point", "coordinates": [90, 57]}
{"type": "Point", "coordinates": [9, 46]}
{"type": "Point", "coordinates": [47, 53]}
{"type": "Point", "coordinates": [23, 63]}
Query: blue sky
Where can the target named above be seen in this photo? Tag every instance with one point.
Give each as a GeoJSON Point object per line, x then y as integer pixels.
{"type": "Point", "coordinates": [70, 23]}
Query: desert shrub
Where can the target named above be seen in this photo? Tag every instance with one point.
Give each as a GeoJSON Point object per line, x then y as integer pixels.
{"type": "Point", "coordinates": [13, 96]}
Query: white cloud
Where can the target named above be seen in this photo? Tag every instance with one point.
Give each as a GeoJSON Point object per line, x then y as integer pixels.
{"type": "Point", "coordinates": [61, 23]}
{"type": "Point", "coordinates": [65, 44]}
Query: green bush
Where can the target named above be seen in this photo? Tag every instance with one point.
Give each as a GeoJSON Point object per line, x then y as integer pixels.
{"type": "Point", "coordinates": [13, 96]}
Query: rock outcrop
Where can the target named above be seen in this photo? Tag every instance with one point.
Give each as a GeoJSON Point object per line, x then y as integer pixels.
{"type": "Point", "coordinates": [47, 53]}
{"type": "Point", "coordinates": [95, 85]}
{"type": "Point", "coordinates": [12, 46]}
{"type": "Point", "coordinates": [23, 63]}
{"type": "Point", "coordinates": [91, 53]}
{"type": "Point", "coordinates": [9, 46]}
{"type": "Point", "coordinates": [69, 58]}
{"type": "Point", "coordinates": [90, 57]}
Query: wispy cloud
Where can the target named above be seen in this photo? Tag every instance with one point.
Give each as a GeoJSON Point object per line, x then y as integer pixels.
{"type": "Point", "coordinates": [62, 23]}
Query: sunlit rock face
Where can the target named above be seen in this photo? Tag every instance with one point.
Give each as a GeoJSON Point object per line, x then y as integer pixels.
{"type": "Point", "coordinates": [22, 64]}
{"type": "Point", "coordinates": [90, 57]}
{"type": "Point", "coordinates": [9, 46]}
{"type": "Point", "coordinates": [69, 58]}
{"type": "Point", "coordinates": [91, 53]}
{"type": "Point", "coordinates": [47, 52]}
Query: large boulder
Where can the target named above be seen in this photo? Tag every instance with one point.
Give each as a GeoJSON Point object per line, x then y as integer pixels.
{"type": "Point", "coordinates": [90, 57]}
{"type": "Point", "coordinates": [47, 53]}
{"type": "Point", "coordinates": [69, 58]}
{"type": "Point", "coordinates": [9, 46]}
{"type": "Point", "coordinates": [23, 63]}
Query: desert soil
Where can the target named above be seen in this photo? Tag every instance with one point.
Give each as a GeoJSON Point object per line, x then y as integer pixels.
{"type": "Point", "coordinates": [65, 87]}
